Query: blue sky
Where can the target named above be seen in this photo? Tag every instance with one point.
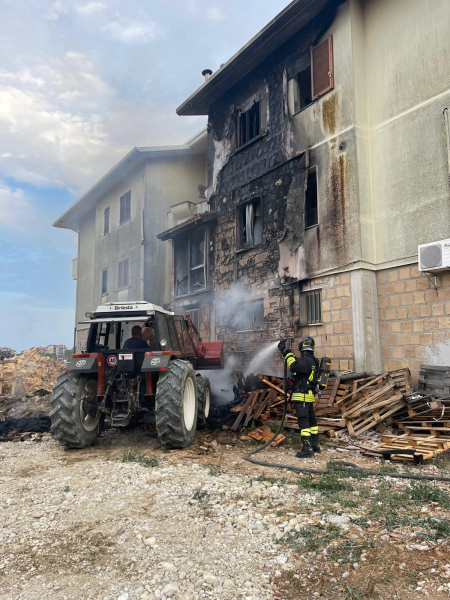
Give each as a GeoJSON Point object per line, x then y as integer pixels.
{"type": "Point", "coordinates": [81, 83]}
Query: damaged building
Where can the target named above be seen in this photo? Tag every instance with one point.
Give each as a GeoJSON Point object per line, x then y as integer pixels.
{"type": "Point", "coordinates": [119, 258]}
{"type": "Point", "coordinates": [327, 166]}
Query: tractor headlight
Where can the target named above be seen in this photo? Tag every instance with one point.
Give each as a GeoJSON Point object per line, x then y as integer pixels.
{"type": "Point", "coordinates": [89, 315]}
{"type": "Point", "coordinates": [163, 343]}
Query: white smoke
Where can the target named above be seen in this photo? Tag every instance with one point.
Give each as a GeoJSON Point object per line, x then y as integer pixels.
{"type": "Point", "coordinates": [437, 355]}
{"type": "Point", "coordinates": [259, 362]}
{"type": "Point", "coordinates": [222, 382]}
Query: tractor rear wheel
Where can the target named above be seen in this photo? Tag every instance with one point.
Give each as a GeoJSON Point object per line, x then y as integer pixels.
{"type": "Point", "coordinates": [204, 401]}
{"type": "Point", "coordinates": [176, 405]}
{"type": "Point", "coordinates": [72, 425]}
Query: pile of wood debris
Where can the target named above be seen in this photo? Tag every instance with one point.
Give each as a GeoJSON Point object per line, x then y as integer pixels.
{"type": "Point", "coordinates": [413, 426]}
{"type": "Point", "coordinates": [28, 373]}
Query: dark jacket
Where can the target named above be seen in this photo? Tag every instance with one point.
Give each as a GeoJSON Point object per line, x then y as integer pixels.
{"type": "Point", "coordinates": [135, 343]}
{"type": "Point", "coordinates": [305, 370]}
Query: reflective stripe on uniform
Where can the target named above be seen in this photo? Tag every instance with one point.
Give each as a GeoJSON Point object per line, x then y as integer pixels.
{"type": "Point", "coordinates": [314, 430]}
{"type": "Point", "coordinates": [299, 397]}
{"type": "Point", "coordinates": [290, 358]}
{"type": "Point", "coordinates": [305, 432]}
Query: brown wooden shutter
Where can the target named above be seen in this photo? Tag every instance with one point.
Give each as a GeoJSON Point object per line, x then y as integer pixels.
{"type": "Point", "coordinates": [322, 69]}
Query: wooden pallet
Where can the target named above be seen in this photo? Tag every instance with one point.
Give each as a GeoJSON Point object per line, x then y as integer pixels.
{"type": "Point", "coordinates": [413, 452]}
{"type": "Point", "coordinates": [367, 421]}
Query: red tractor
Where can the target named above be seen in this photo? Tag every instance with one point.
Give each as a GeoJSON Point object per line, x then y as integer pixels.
{"type": "Point", "coordinates": [108, 381]}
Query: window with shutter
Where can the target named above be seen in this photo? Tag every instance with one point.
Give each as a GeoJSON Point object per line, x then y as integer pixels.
{"type": "Point", "coordinates": [322, 68]}
{"type": "Point", "coordinates": [123, 275]}
{"type": "Point", "coordinates": [125, 208]}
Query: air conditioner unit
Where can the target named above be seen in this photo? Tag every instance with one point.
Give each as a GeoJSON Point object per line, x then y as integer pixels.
{"type": "Point", "coordinates": [434, 256]}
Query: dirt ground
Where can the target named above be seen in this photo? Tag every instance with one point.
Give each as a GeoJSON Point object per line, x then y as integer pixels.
{"type": "Point", "coordinates": [126, 520]}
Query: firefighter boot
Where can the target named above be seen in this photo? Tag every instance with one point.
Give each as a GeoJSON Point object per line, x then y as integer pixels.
{"type": "Point", "coordinates": [306, 451]}
{"type": "Point", "coordinates": [315, 443]}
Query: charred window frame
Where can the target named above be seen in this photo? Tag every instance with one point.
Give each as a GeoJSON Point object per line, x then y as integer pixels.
{"type": "Point", "coordinates": [125, 208]}
{"type": "Point", "coordinates": [311, 307]}
{"type": "Point", "coordinates": [123, 276]}
{"type": "Point", "coordinates": [190, 262]}
{"type": "Point", "coordinates": [251, 119]}
{"type": "Point", "coordinates": [250, 316]}
{"type": "Point", "coordinates": [104, 281]}
{"type": "Point", "coordinates": [249, 224]}
{"type": "Point", "coordinates": [311, 200]}
{"type": "Point", "coordinates": [106, 221]}
{"type": "Point", "coordinates": [314, 79]}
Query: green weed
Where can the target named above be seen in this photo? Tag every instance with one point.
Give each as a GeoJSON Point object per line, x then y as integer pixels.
{"type": "Point", "coordinates": [141, 459]}
{"type": "Point", "coordinates": [214, 470]}
{"type": "Point", "coordinates": [201, 496]}
{"type": "Point", "coordinates": [312, 538]}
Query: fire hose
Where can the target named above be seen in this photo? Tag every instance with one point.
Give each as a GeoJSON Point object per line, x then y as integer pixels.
{"type": "Point", "coordinates": [340, 466]}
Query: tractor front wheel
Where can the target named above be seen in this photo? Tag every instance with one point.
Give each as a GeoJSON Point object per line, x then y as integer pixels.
{"type": "Point", "coordinates": [176, 405]}
{"type": "Point", "coordinates": [73, 424]}
{"type": "Point", "coordinates": [204, 401]}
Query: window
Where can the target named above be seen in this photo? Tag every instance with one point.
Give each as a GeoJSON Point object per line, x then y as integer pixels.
{"type": "Point", "coordinates": [248, 124]}
{"type": "Point", "coordinates": [303, 91]}
{"type": "Point", "coordinates": [312, 307]}
{"type": "Point", "coordinates": [124, 274]}
{"type": "Point", "coordinates": [125, 208]}
{"type": "Point", "coordinates": [316, 78]}
{"type": "Point", "coordinates": [190, 266]}
{"type": "Point", "coordinates": [249, 224]}
{"type": "Point", "coordinates": [106, 221]}
{"type": "Point", "coordinates": [104, 281]}
{"type": "Point", "coordinates": [311, 210]}
{"type": "Point", "coordinates": [250, 316]}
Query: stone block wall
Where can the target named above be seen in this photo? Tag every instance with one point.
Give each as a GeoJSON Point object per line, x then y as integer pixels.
{"type": "Point", "coordinates": [334, 338]}
{"type": "Point", "coordinates": [413, 315]}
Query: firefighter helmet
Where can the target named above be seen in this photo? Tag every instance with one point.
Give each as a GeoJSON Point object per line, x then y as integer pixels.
{"type": "Point", "coordinates": [307, 344]}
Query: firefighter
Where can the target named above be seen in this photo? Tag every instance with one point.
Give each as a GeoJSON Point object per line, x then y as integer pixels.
{"type": "Point", "coordinates": [306, 374]}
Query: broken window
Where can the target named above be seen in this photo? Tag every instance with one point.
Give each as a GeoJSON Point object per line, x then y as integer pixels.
{"type": "Point", "coordinates": [250, 316]}
{"type": "Point", "coordinates": [311, 208]}
{"type": "Point", "coordinates": [248, 124]}
{"type": "Point", "coordinates": [104, 281]}
{"type": "Point", "coordinates": [315, 79]}
{"type": "Point", "coordinates": [190, 264]}
{"type": "Point", "coordinates": [124, 274]}
{"type": "Point", "coordinates": [106, 221]}
{"type": "Point", "coordinates": [312, 307]}
{"type": "Point", "coordinates": [125, 208]}
{"type": "Point", "coordinates": [249, 224]}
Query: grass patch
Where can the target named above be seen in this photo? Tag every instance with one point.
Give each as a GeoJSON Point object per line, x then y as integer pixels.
{"type": "Point", "coordinates": [350, 550]}
{"type": "Point", "coordinates": [437, 527]}
{"type": "Point", "coordinates": [354, 593]}
{"type": "Point", "coordinates": [141, 459]}
{"type": "Point", "coordinates": [214, 470]}
{"type": "Point", "coordinates": [201, 496]}
{"type": "Point", "coordinates": [312, 538]}
{"type": "Point", "coordinates": [326, 484]}
{"type": "Point", "coordinates": [272, 480]}
{"type": "Point", "coordinates": [428, 493]}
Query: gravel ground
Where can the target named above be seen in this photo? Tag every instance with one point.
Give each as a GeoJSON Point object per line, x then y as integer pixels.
{"type": "Point", "coordinates": [85, 525]}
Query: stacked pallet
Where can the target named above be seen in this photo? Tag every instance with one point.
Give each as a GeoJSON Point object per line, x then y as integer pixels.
{"type": "Point", "coordinates": [373, 400]}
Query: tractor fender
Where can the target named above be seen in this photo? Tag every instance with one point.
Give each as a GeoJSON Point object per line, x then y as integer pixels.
{"type": "Point", "coordinates": [83, 365]}
{"type": "Point", "coordinates": [155, 363]}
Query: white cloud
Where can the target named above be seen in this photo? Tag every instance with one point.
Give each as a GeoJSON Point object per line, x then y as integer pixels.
{"type": "Point", "coordinates": [130, 31]}
{"type": "Point", "coordinates": [53, 133]}
{"type": "Point", "coordinates": [215, 14]}
{"type": "Point", "coordinates": [55, 10]}
{"type": "Point", "coordinates": [16, 213]}
{"type": "Point", "coordinates": [90, 8]}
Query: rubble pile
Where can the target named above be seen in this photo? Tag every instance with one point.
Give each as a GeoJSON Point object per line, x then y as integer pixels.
{"type": "Point", "coordinates": [36, 372]}
{"type": "Point", "coordinates": [411, 426]}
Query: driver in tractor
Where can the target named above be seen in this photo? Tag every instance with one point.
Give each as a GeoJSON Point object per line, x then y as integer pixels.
{"type": "Point", "coordinates": [136, 341]}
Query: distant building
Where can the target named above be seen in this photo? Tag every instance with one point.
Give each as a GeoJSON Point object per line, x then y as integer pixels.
{"type": "Point", "coordinates": [119, 257]}
{"type": "Point", "coordinates": [328, 164]}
